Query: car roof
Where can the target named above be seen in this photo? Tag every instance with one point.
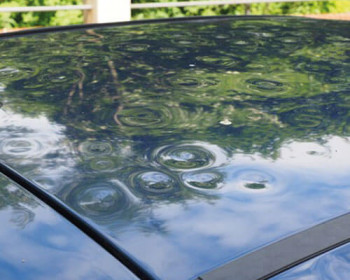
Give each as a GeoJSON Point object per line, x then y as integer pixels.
{"type": "Point", "coordinates": [183, 145]}
{"type": "Point", "coordinates": [37, 243]}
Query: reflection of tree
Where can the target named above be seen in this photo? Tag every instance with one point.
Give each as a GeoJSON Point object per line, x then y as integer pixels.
{"type": "Point", "coordinates": [244, 85]}
{"type": "Point", "coordinates": [268, 82]}
{"type": "Point", "coordinates": [11, 197]}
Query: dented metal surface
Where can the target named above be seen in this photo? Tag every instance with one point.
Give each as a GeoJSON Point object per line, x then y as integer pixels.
{"type": "Point", "coordinates": [188, 143]}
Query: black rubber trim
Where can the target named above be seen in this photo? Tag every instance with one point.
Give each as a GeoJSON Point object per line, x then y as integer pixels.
{"type": "Point", "coordinates": [141, 22]}
{"type": "Point", "coordinates": [78, 221]}
{"type": "Point", "coordinates": [282, 255]}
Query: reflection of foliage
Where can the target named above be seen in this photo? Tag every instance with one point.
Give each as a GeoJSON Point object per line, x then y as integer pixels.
{"type": "Point", "coordinates": [258, 84]}
{"type": "Point", "coordinates": [122, 96]}
{"type": "Point", "coordinates": [18, 201]}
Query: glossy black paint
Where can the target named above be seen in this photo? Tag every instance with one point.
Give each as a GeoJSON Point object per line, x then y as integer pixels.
{"type": "Point", "coordinates": [187, 143]}
{"type": "Point", "coordinates": [37, 243]}
{"type": "Point", "coordinates": [74, 217]}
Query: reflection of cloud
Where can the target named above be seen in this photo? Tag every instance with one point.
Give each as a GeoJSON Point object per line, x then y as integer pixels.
{"type": "Point", "coordinates": [51, 248]}
{"type": "Point", "coordinates": [330, 157]}
{"type": "Point", "coordinates": [171, 258]}
{"type": "Point", "coordinates": [331, 265]}
{"type": "Point", "coordinates": [302, 191]}
{"type": "Point", "coordinates": [306, 184]}
{"type": "Point", "coordinates": [39, 124]}
{"type": "Point", "coordinates": [327, 159]}
{"type": "Point", "coordinates": [211, 234]}
{"type": "Point", "coordinates": [109, 120]}
{"type": "Point", "coordinates": [37, 143]}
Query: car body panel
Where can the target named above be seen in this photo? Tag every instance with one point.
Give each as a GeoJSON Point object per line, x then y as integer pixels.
{"type": "Point", "coordinates": [189, 143]}
{"type": "Point", "coordinates": [37, 243]}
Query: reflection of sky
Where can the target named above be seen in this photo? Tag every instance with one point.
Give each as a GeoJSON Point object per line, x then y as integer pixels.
{"type": "Point", "coordinates": [49, 247]}
{"type": "Point", "coordinates": [331, 155]}
{"type": "Point", "coordinates": [306, 184]}
{"type": "Point", "coordinates": [140, 143]}
{"type": "Point", "coordinates": [201, 234]}
{"type": "Point", "coordinates": [331, 265]}
{"type": "Point", "coordinates": [25, 140]}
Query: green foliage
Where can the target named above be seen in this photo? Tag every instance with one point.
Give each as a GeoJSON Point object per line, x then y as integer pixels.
{"type": "Point", "coordinates": [9, 20]}
{"type": "Point", "coordinates": [297, 8]}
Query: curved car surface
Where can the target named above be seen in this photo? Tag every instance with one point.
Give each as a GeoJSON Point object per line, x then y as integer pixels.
{"type": "Point", "coordinates": [186, 148]}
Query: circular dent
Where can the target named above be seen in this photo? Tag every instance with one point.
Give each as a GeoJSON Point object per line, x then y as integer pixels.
{"type": "Point", "coordinates": [95, 148]}
{"type": "Point", "coordinates": [102, 199]}
{"type": "Point", "coordinates": [154, 182]}
{"type": "Point", "coordinates": [220, 60]}
{"type": "Point", "coordinates": [207, 180]}
{"type": "Point", "coordinates": [306, 117]}
{"type": "Point", "coordinates": [275, 84]}
{"type": "Point", "coordinates": [13, 74]}
{"type": "Point", "coordinates": [265, 85]}
{"type": "Point", "coordinates": [102, 164]}
{"type": "Point", "coordinates": [184, 157]}
{"type": "Point", "coordinates": [322, 67]}
{"type": "Point", "coordinates": [253, 180]}
{"type": "Point", "coordinates": [194, 81]}
{"type": "Point", "coordinates": [145, 116]}
{"type": "Point", "coordinates": [21, 147]}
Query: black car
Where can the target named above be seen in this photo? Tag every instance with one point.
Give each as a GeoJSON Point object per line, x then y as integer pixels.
{"type": "Point", "coordinates": [204, 148]}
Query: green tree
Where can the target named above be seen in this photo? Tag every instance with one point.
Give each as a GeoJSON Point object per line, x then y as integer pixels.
{"type": "Point", "coordinates": [8, 20]}
{"type": "Point", "coordinates": [11, 20]}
